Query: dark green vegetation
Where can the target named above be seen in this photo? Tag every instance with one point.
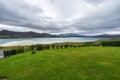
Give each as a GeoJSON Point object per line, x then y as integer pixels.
{"type": "Point", "coordinates": [84, 63]}
{"type": "Point", "coordinates": [12, 34]}
{"type": "Point", "coordinates": [63, 61]}
{"type": "Point", "coordinates": [33, 48]}
{"type": "Point", "coordinates": [8, 53]}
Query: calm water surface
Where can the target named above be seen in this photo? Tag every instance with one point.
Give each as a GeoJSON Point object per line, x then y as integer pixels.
{"type": "Point", "coordinates": [29, 41]}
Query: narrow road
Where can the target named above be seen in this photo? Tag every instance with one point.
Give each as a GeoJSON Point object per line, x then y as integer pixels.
{"type": "Point", "coordinates": [1, 55]}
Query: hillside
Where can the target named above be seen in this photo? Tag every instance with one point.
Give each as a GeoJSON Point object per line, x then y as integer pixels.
{"type": "Point", "coordinates": [30, 34]}
{"type": "Point", "coordinates": [114, 36]}
{"type": "Point", "coordinates": [12, 34]}
{"type": "Point", "coordinates": [85, 63]}
{"type": "Point", "coordinates": [108, 36]}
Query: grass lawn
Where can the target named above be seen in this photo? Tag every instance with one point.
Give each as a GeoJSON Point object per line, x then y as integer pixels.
{"type": "Point", "coordinates": [85, 63]}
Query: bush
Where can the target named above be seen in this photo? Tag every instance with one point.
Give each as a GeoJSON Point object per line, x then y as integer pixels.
{"type": "Point", "coordinates": [111, 43]}
{"type": "Point", "coordinates": [32, 47]}
{"type": "Point", "coordinates": [47, 46]}
{"type": "Point", "coordinates": [33, 51]}
{"type": "Point", "coordinates": [66, 46]}
{"type": "Point", "coordinates": [5, 55]}
{"type": "Point", "coordinates": [20, 50]}
{"type": "Point", "coordinates": [11, 52]}
{"type": "Point", "coordinates": [53, 46]}
{"type": "Point", "coordinates": [40, 47]}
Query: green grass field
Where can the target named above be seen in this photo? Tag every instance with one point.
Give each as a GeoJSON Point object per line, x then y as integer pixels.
{"type": "Point", "coordinates": [85, 63]}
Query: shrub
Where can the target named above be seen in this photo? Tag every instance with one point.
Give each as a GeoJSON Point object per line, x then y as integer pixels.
{"type": "Point", "coordinates": [33, 51]}
{"type": "Point", "coordinates": [111, 43]}
{"type": "Point", "coordinates": [53, 46]}
{"type": "Point", "coordinates": [11, 52]}
{"type": "Point", "coordinates": [47, 46]}
{"type": "Point", "coordinates": [61, 46]}
{"type": "Point", "coordinates": [40, 47]}
{"type": "Point", "coordinates": [4, 52]}
{"type": "Point", "coordinates": [32, 47]}
{"type": "Point", "coordinates": [20, 50]}
{"type": "Point", "coordinates": [66, 46]}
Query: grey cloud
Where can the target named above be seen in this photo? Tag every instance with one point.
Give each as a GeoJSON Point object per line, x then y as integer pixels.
{"type": "Point", "coordinates": [18, 13]}
{"type": "Point", "coordinates": [99, 24]}
{"type": "Point", "coordinates": [95, 1]}
{"type": "Point", "coordinates": [24, 15]}
{"type": "Point", "coordinates": [21, 13]}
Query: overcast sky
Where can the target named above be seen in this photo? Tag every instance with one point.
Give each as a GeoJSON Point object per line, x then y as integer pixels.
{"type": "Point", "coordinates": [89, 17]}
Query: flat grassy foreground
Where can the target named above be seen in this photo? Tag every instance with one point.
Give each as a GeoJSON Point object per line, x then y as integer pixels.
{"type": "Point", "coordinates": [85, 63]}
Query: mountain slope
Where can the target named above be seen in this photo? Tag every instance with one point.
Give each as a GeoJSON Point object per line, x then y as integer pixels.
{"type": "Point", "coordinates": [12, 34]}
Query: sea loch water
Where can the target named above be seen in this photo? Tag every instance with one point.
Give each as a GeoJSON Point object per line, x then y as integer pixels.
{"type": "Point", "coordinates": [29, 41]}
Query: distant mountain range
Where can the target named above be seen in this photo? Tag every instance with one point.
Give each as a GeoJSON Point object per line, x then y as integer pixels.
{"type": "Point", "coordinates": [30, 34]}
{"type": "Point", "coordinates": [108, 36]}
{"type": "Point", "coordinates": [71, 35]}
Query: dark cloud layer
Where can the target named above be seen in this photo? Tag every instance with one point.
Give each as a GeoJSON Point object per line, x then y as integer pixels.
{"type": "Point", "coordinates": [18, 13]}
{"type": "Point", "coordinates": [104, 18]}
{"type": "Point", "coordinates": [102, 22]}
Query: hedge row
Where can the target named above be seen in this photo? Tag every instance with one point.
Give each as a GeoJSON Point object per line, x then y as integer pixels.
{"type": "Point", "coordinates": [11, 52]}
{"type": "Point", "coordinates": [111, 43]}
{"type": "Point", "coordinates": [63, 45]}
{"type": "Point", "coordinates": [73, 45]}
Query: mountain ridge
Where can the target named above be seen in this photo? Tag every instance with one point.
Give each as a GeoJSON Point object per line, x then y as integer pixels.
{"type": "Point", "coordinates": [29, 34]}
